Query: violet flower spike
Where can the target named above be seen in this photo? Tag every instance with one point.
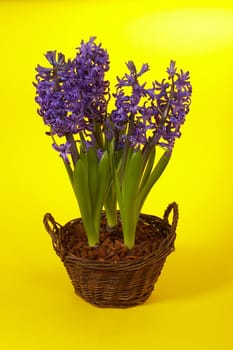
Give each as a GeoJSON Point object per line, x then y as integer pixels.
{"type": "Point", "coordinates": [73, 94]}
{"type": "Point", "coordinates": [178, 100]}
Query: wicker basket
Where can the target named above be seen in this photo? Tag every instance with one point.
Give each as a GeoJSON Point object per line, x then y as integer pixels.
{"type": "Point", "coordinates": [122, 284]}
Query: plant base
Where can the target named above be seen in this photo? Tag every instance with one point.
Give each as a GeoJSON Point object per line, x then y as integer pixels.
{"type": "Point", "coordinates": [109, 274]}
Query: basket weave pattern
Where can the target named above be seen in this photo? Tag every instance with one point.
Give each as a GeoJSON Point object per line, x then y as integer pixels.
{"type": "Point", "coordinates": [122, 284]}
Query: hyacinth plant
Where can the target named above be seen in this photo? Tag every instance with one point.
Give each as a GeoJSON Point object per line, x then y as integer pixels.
{"type": "Point", "coordinates": [111, 157]}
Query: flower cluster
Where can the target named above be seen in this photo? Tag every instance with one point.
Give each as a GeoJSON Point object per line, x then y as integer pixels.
{"type": "Point", "coordinates": [151, 116]}
{"type": "Point", "coordinates": [130, 117]}
{"type": "Point", "coordinates": [173, 101]}
{"type": "Point", "coordinates": [73, 94]}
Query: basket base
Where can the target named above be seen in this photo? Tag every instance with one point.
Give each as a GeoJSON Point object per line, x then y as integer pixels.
{"type": "Point", "coordinates": [117, 304]}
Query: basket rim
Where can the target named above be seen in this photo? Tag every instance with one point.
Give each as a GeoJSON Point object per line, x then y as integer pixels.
{"type": "Point", "coordinates": [166, 245]}
{"type": "Point", "coordinates": [164, 248]}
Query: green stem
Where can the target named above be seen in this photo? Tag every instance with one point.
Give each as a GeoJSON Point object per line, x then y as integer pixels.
{"type": "Point", "coordinates": [110, 205]}
{"type": "Point", "coordinates": [127, 146]}
{"type": "Point", "coordinates": [99, 136]}
{"type": "Point", "coordinates": [74, 151]}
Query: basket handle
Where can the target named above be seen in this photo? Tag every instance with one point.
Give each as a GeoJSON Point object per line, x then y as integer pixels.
{"type": "Point", "coordinates": [173, 206]}
{"type": "Point", "coordinates": [52, 227]}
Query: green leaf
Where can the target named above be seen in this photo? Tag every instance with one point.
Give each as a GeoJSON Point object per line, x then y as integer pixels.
{"type": "Point", "coordinates": [125, 157]}
{"type": "Point", "coordinates": [69, 172]}
{"type": "Point", "coordinates": [81, 189]}
{"type": "Point", "coordinates": [154, 176]}
{"type": "Point", "coordinates": [115, 166]}
{"type": "Point", "coordinates": [148, 167]}
{"type": "Point", "coordinates": [130, 187]}
{"type": "Point", "coordinates": [92, 176]}
{"type": "Point", "coordinates": [110, 202]}
{"type": "Point", "coordinates": [103, 178]}
{"type": "Point", "coordinates": [132, 175]}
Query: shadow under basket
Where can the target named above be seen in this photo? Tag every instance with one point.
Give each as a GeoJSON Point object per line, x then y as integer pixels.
{"type": "Point", "coordinates": [120, 284]}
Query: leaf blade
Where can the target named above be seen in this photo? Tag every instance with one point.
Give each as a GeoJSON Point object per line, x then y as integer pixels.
{"type": "Point", "coordinates": [152, 179]}
{"type": "Point", "coordinates": [81, 189]}
{"type": "Point", "coordinates": [130, 188]}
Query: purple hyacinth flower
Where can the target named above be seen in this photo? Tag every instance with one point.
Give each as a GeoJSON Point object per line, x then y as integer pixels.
{"type": "Point", "coordinates": [171, 70]}
{"type": "Point", "coordinates": [64, 150]}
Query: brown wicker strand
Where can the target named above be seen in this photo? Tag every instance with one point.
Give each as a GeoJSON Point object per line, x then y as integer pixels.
{"type": "Point", "coordinates": [55, 231]}
{"type": "Point", "coordinates": [173, 206]}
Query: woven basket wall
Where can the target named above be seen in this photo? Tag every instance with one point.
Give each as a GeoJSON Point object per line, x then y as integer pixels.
{"type": "Point", "coordinates": [122, 284]}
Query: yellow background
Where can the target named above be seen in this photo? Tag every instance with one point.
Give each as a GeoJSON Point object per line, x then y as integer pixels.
{"type": "Point", "coordinates": [191, 307]}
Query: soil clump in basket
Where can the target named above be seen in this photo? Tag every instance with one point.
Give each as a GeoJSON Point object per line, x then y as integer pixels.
{"type": "Point", "coordinates": [110, 247]}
